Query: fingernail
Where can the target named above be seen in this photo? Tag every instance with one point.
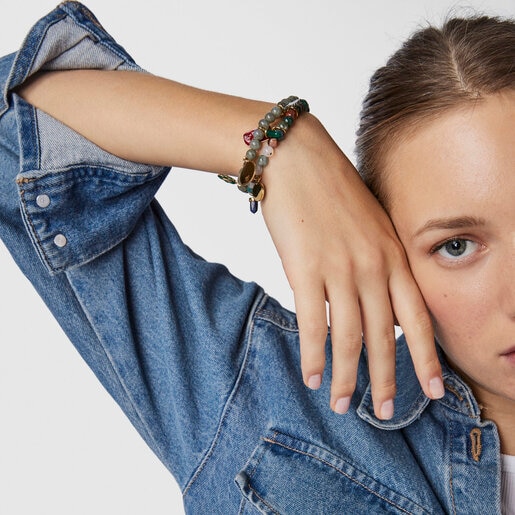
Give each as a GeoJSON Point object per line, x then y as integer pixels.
{"type": "Point", "coordinates": [342, 405]}
{"type": "Point", "coordinates": [436, 388]}
{"type": "Point", "coordinates": [387, 410]}
{"type": "Point", "coordinates": [315, 381]}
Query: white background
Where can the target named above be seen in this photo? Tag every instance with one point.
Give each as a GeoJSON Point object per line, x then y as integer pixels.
{"type": "Point", "coordinates": [65, 447]}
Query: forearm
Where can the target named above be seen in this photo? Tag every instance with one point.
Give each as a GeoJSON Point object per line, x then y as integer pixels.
{"type": "Point", "coordinates": [141, 117]}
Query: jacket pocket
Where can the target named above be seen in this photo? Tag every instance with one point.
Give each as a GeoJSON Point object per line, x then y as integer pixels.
{"type": "Point", "coordinates": [286, 475]}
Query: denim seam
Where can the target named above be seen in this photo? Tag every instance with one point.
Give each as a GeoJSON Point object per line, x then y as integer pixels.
{"type": "Point", "coordinates": [256, 460]}
{"type": "Point", "coordinates": [156, 447]}
{"type": "Point", "coordinates": [95, 170]}
{"type": "Point", "coordinates": [270, 316]}
{"type": "Point", "coordinates": [263, 501]}
{"type": "Point", "coordinates": [260, 299]}
{"type": "Point", "coordinates": [451, 484]}
{"type": "Point", "coordinates": [313, 456]}
{"type": "Point", "coordinates": [254, 469]}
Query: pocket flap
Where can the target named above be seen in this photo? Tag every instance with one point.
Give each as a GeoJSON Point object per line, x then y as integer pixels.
{"type": "Point", "coordinates": [289, 476]}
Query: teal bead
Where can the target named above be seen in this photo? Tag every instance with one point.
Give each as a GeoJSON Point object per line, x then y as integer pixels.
{"type": "Point", "coordinates": [288, 120]}
{"type": "Point", "coordinates": [275, 133]}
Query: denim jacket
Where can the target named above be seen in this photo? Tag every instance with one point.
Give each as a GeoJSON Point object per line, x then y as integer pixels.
{"type": "Point", "coordinates": [206, 366]}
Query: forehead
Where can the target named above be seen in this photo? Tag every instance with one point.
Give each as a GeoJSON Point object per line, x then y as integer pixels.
{"type": "Point", "coordinates": [461, 163]}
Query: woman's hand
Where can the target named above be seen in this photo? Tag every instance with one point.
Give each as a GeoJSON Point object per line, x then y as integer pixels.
{"type": "Point", "coordinates": [338, 245]}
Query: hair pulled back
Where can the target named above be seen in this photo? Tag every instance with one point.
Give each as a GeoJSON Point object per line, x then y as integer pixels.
{"type": "Point", "coordinates": [434, 70]}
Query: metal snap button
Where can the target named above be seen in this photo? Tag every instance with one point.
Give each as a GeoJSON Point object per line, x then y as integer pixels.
{"type": "Point", "coordinates": [60, 240]}
{"type": "Point", "coordinates": [43, 200]}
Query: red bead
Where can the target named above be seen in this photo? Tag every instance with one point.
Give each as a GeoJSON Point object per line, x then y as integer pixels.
{"type": "Point", "coordinates": [248, 137]}
{"type": "Point", "coordinates": [292, 113]}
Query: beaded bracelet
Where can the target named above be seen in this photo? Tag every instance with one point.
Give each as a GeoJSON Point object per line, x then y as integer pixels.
{"type": "Point", "coordinates": [262, 142]}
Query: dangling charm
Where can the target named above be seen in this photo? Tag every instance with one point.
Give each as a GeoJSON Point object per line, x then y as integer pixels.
{"type": "Point", "coordinates": [253, 205]}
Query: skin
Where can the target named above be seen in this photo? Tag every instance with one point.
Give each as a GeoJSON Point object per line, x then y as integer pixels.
{"type": "Point", "coordinates": [453, 180]}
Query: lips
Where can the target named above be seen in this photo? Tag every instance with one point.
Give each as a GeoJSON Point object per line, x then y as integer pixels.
{"type": "Point", "coordinates": [509, 355]}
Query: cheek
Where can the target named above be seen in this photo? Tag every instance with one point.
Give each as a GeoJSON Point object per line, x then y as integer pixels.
{"type": "Point", "coordinates": [459, 306]}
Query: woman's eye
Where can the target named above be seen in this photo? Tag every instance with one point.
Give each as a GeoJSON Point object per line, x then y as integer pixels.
{"type": "Point", "coordinates": [455, 248]}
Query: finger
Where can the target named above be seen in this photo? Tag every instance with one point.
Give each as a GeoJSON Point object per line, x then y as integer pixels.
{"type": "Point", "coordinates": [412, 314]}
{"type": "Point", "coordinates": [312, 320]}
{"type": "Point", "coordinates": [346, 341]}
{"type": "Point", "coordinates": [379, 333]}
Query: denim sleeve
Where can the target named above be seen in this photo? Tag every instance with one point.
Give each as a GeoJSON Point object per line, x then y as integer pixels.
{"type": "Point", "coordinates": [162, 329]}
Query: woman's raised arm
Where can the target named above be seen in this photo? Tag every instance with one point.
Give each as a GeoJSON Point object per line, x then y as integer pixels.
{"type": "Point", "coordinates": [335, 241]}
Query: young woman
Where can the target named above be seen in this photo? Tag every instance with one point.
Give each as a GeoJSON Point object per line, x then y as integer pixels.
{"type": "Point", "coordinates": [207, 367]}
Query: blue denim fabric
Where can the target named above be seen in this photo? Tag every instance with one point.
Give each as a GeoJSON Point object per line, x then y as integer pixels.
{"type": "Point", "coordinates": [206, 366]}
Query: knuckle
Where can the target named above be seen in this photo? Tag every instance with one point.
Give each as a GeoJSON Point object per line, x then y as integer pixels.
{"type": "Point", "coordinates": [385, 389]}
{"type": "Point", "coordinates": [373, 264]}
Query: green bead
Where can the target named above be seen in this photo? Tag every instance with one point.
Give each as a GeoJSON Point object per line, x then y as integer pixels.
{"type": "Point", "coordinates": [288, 120]}
{"type": "Point", "coordinates": [275, 133]}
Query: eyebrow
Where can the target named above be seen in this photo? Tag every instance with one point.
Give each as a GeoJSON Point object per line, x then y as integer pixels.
{"type": "Point", "coordinates": [459, 222]}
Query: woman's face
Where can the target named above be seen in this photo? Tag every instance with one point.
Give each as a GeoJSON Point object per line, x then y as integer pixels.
{"type": "Point", "coordinates": [453, 188]}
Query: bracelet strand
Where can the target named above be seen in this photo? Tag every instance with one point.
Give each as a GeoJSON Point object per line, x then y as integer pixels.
{"type": "Point", "coordinates": [271, 129]}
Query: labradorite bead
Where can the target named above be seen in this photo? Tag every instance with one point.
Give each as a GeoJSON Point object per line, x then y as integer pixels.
{"type": "Point", "coordinates": [263, 124]}
{"type": "Point", "coordinates": [270, 117]}
{"type": "Point", "coordinates": [258, 171]}
{"type": "Point", "coordinates": [251, 154]}
{"type": "Point", "coordinates": [276, 111]}
{"type": "Point", "coordinates": [262, 161]}
{"type": "Point", "coordinates": [255, 144]}
{"type": "Point", "coordinates": [283, 126]}
{"type": "Point", "coordinates": [246, 174]}
{"type": "Point", "coordinates": [258, 134]}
